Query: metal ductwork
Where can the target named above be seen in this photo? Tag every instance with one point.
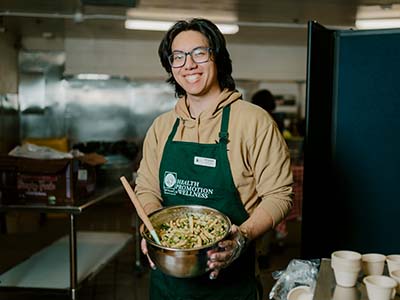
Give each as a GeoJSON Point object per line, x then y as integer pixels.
{"type": "Point", "coordinates": [124, 3]}
{"type": "Point", "coordinates": [64, 7]}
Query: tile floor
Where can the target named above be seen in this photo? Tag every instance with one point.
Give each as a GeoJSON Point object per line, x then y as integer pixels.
{"type": "Point", "coordinates": [125, 277]}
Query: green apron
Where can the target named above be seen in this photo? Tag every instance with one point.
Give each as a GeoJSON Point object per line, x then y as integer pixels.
{"type": "Point", "coordinates": [193, 173]}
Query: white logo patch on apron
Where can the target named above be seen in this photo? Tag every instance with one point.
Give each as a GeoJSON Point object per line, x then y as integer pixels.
{"type": "Point", "coordinates": [205, 161]}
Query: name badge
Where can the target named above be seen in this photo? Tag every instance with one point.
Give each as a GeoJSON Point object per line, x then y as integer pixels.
{"type": "Point", "coordinates": [205, 161]}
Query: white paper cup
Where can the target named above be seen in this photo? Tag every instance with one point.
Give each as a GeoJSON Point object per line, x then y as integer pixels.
{"type": "Point", "coordinates": [380, 287]}
{"type": "Point", "coordinates": [393, 262]}
{"type": "Point", "coordinates": [302, 292]}
{"type": "Point", "coordinates": [346, 267]}
{"type": "Point", "coordinates": [373, 263]}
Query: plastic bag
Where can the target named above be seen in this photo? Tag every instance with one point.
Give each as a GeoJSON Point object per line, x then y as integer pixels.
{"type": "Point", "coordinates": [38, 152]}
{"type": "Point", "coordinates": [298, 272]}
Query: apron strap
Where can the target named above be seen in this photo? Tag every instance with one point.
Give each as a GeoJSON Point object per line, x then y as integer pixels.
{"type": "Point", "coordinates": [223, 134]}
{"type": "Point", "coordinates": [173, 131]}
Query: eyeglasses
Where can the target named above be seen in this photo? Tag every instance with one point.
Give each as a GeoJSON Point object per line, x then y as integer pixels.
{"type": "Point", "coordinates": [199, 55]}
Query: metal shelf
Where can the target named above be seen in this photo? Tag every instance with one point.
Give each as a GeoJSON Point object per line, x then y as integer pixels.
{"type": "Point", "coordinates": [48, 268]}
{"type": "Point", "coordinates": [21, 276]}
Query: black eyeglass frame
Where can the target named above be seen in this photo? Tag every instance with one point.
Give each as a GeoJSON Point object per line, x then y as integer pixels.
{"type": "Point", "coordinates": [170, 57]}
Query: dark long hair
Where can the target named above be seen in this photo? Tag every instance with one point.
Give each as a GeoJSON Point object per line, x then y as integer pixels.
{"type": "Point", "coordinates": [216, 42]}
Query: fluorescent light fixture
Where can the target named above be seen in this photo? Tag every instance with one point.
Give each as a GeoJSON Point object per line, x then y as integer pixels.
{"type": "Point", "coordinates": [162, 19]}
{"type": "Point", "coordinates": [93, 76]}
{"type": "Point", "coordinates": [378, 16]}
{"type": "Point", "coordinates": [378, 23]}
{"type": "Point", "coordinates": [148, 25]}
{"type": "Point", "coordinates": [154, 25]}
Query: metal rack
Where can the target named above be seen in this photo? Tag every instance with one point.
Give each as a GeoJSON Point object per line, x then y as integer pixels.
{"type": "Point", "coordinates": [73, 211]}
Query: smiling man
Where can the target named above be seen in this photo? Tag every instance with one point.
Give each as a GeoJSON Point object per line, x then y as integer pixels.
{"type": "Point", "coordinates": [217, 150]}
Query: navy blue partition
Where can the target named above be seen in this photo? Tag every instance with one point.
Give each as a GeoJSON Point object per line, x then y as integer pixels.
{"type": "Point", "coordinates": [359, 143]}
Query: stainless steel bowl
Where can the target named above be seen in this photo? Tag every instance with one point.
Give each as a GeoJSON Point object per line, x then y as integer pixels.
{"type": "Point", "coordinates": [183, 263]}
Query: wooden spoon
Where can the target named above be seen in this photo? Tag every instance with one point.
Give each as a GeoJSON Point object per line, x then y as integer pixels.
{"type": "Point", "coordinates": [139, 209]}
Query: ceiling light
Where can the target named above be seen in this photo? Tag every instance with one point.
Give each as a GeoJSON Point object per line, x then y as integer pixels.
{"type": "Point", "coordinates": [148, 25]}
{"type": "Point", "coordinates": [378, 16]}
{"type": "Point", "coordinates": [378, 23]}
{"type": "Point", "coordinates": [155, 25]}
{"type": "Point", "coordinates": [93, 76]}
{"type": "Point", "coordinates": [165, 14]}
{"type": "Point", "coordinates": [162, 19]}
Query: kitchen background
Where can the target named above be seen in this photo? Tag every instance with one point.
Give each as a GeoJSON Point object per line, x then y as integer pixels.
{"type": "Point", "coordinates": [43, 96]}
{"type": "Point", "coordinates": [47, 46]}
{"type": "Point", "coordinates": [52, 102]}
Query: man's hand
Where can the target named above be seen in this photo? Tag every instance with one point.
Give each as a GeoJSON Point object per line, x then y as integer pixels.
{"type": "Point", "coordinates": [143, 245]}
{"type": "Point", "coordinates": [228, 251]}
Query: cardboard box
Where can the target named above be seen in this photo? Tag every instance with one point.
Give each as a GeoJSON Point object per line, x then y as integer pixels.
{"type": "Point", "coordinates": [32, 181]}
{"type": "Point", "coordinates": [38, 179]}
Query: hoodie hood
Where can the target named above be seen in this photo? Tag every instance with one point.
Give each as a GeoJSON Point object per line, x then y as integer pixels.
{"type": "Point", "coordinates": [225, 98]}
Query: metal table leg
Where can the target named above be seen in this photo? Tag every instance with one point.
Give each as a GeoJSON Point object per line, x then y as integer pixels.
{"type": "Point", "coordinates": [72, 257]}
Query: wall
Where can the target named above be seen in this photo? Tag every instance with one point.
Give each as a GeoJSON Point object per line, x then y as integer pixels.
{"type": "Point", "coordinates": [139, 59]}
{"type": "Point", "coordinates": [278, 68]}
{"type": "Point", "coordinates": [272, 67]}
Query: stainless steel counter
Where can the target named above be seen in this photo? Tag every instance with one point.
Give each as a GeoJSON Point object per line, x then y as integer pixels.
{"type": "Point", "coordinates": [326, 288]}
{"type": "Point", "coordinates": [73, 211]}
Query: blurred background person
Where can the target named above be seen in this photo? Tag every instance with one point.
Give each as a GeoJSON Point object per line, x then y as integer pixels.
{"type": "Point", "coordinates": [266, 100]}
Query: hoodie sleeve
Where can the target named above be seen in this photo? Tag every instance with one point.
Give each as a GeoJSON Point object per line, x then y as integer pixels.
{"type": "Point", "coordinates": [272, 171]}
{"type": "Point", "coordinates": [147, 183]}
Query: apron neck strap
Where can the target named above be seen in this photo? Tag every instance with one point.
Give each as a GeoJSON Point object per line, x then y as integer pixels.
{"type": "Point", "coordinates": [223, 134]}
{"type": "Point", "coordinates": [173, 131]}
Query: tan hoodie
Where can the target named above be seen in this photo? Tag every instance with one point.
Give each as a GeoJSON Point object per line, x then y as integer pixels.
{"type": "Point", "coordinates": [258, 155]}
